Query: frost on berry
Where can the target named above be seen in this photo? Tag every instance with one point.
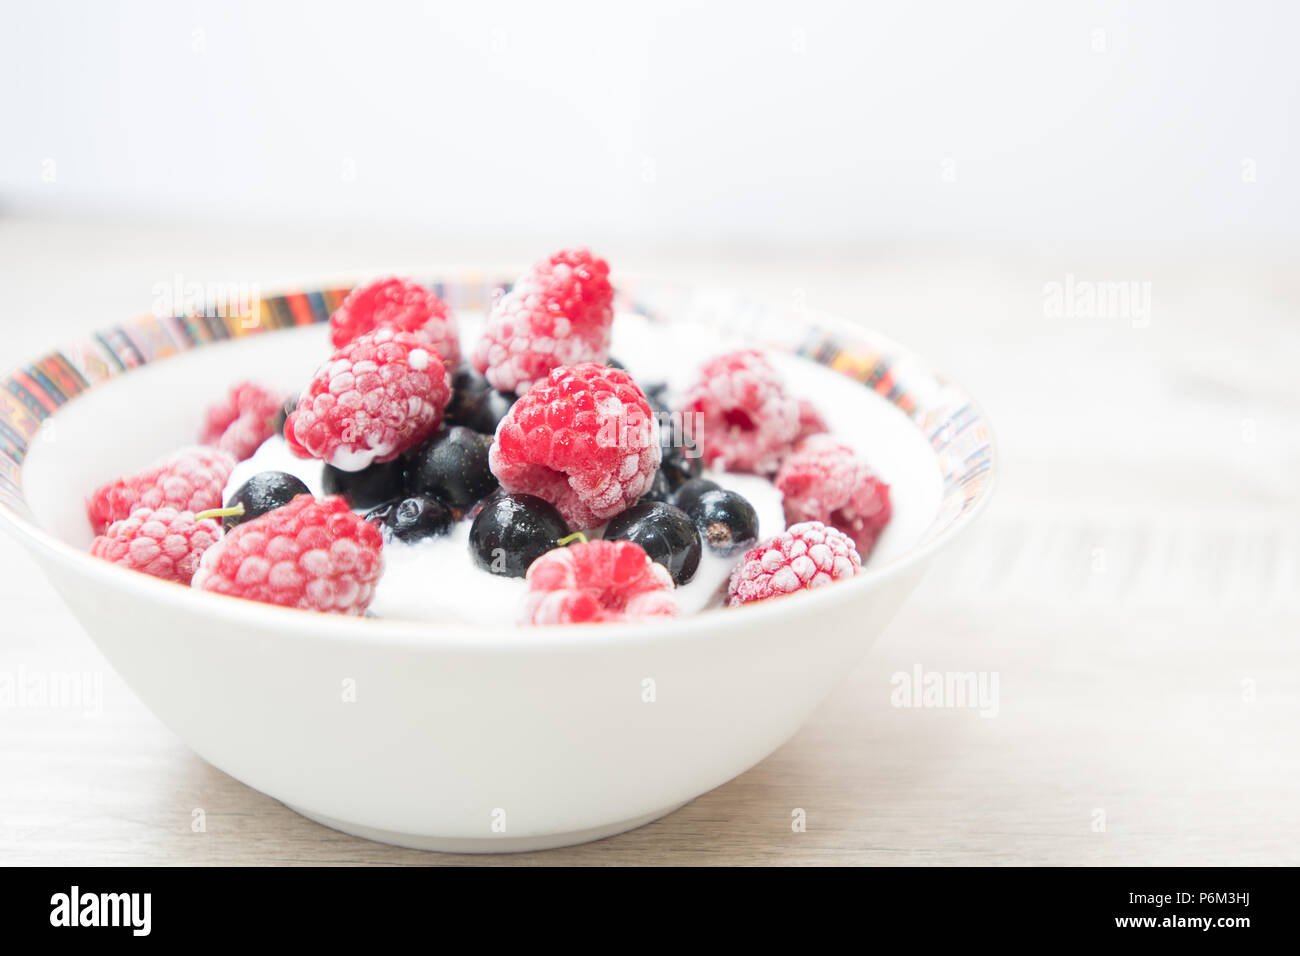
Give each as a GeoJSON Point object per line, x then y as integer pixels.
{"type": "Point", "coordinates": [749, 420]}
{"type": "Point", "coordinates": [191, 479]}
{"type": "Point", "coordinates": [584, 439]}
{"type": "Point", "coordinates": [810, 420]}
{"type": "Point", "coordinates": [164, 543]}
{"type": "Point", "coordinates": [559, 314]}
{"type": "Point", "coordinates": [806, 556]}
{"type": "Point", "coordinates": [312, 553]}
{"type": "Point", "coordinates": [403, 306]}
{"type": "Point", "coordinates": [374, 398]}
{"type": "Point", "coordinates": [241, 421]}
{"type": "Point", "coordinates": [597, 581]}
{"type": "Point", "coordinates": [826, 480]}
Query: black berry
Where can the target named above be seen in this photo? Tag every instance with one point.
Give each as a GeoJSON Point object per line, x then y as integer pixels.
{"type": "Point", "coordinates": [510, 532]}
{"type": "Point", "coordinates": [689, 493]}
{"type": "Point", "coordinates": [677, 468]}
{"type": "Point", "coordinates": [666, 534]}
{"type": "Point", "coordinates": [474, 403]}
{"type": "Point", "coordinates": [368, 487]}
{"type": "Point", "coordinates": [452, 466]}
{"type": "Point", "coordinates": [726, 521]}
{"type": "Point", "coordinates": [413, 519]}
{"type": "Point", "coordinates": [660, 489]}
{"type": "Point", "coordinates": [265, 491]}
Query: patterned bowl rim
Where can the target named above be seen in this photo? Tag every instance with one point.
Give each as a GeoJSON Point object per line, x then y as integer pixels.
{"type": "Point", "coordinates": [955, 425]}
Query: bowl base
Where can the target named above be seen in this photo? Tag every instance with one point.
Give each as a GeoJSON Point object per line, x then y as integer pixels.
{"type": "Point", "coordinates": [501, 844]}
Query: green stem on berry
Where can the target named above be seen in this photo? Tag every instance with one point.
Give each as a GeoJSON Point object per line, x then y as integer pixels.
{"type": "Point", "coordinates": [234, 512]}
{"type": "Point", "coordinates": [568, 539]}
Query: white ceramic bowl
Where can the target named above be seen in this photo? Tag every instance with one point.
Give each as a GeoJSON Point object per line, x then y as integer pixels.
{"type": "Point", "coordinates": [459, 737]}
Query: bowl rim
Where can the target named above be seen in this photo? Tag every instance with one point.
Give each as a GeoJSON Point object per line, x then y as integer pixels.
{"type": "Point", "coordinates": [490, 638]}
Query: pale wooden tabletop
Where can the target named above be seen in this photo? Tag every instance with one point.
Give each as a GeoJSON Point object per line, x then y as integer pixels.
{"type": "Point", "coordinates": [1133, 588]}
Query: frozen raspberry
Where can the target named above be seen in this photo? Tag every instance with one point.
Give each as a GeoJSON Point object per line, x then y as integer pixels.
{"type": "Point", "coordinates": [810, 420]}
{"type": "Point", "coordinates": [806, 556]}
{"type": "Point", "coordinates": [403, 306]}
{"type": "Point", "coordinates": [558, 314]}
{"type": "Point", "coordinates": [165, 542]}
{"type": "Point", "coordinates": [583, 439]}
{"type": "Point", "coordinates": [597, 581]}
{"type": "Point", "coordinates": [312, 553]}
{"type": "Point", "coordinates": [380, 394]}
{"type": "Point", "coordinates": [190, 480]}
{"type": "Point", "coordinates": [747, 420]}
{"type": "Point", "coordinates": [241, 421]}
{"type": "Point", "coordinates": [825, 480]}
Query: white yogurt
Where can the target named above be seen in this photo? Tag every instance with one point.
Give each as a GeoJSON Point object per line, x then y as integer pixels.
{"type": "Point", "coordinates": [437, 579]}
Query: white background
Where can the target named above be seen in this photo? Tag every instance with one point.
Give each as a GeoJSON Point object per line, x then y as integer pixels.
{"type": "Point", "coordinates": [756, 123]}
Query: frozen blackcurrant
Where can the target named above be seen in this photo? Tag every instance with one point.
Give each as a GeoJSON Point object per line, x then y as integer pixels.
{"type": "Point", "coordinates": [660, 490]}
{"type": "Point", "coordinates": [510, 532]}
{"type": "Point", "coordinates": [474, 403]}
{"type": "Point", "coordinates": [678, 467]}
{"type": "Point", "coordinates": [664, 532]}
{"type": "Point", "coordinates": [452, 466]}
{"type": "Point", "coordinates": [726, 521]}
{"type": "Point", "coordinates": [265, 491]}
{"type": "Point", "coordinates": [689, 492]}
{"type": "Point", "coordinates": [413, 519]}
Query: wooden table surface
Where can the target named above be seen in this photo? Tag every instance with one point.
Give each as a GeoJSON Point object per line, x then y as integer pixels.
{"type": "Point", "coordinates": [1133, 588]}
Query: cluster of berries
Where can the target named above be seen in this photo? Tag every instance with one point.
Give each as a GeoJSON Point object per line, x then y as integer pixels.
{"type": "Point", "coordinates": [752, 423]}
{"type": "Point", "coordinates": [301, 552]}
{"type": "Point", "coordinates": [540, 439]}
{"type": "Point", "coordinates": [835, 505]}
